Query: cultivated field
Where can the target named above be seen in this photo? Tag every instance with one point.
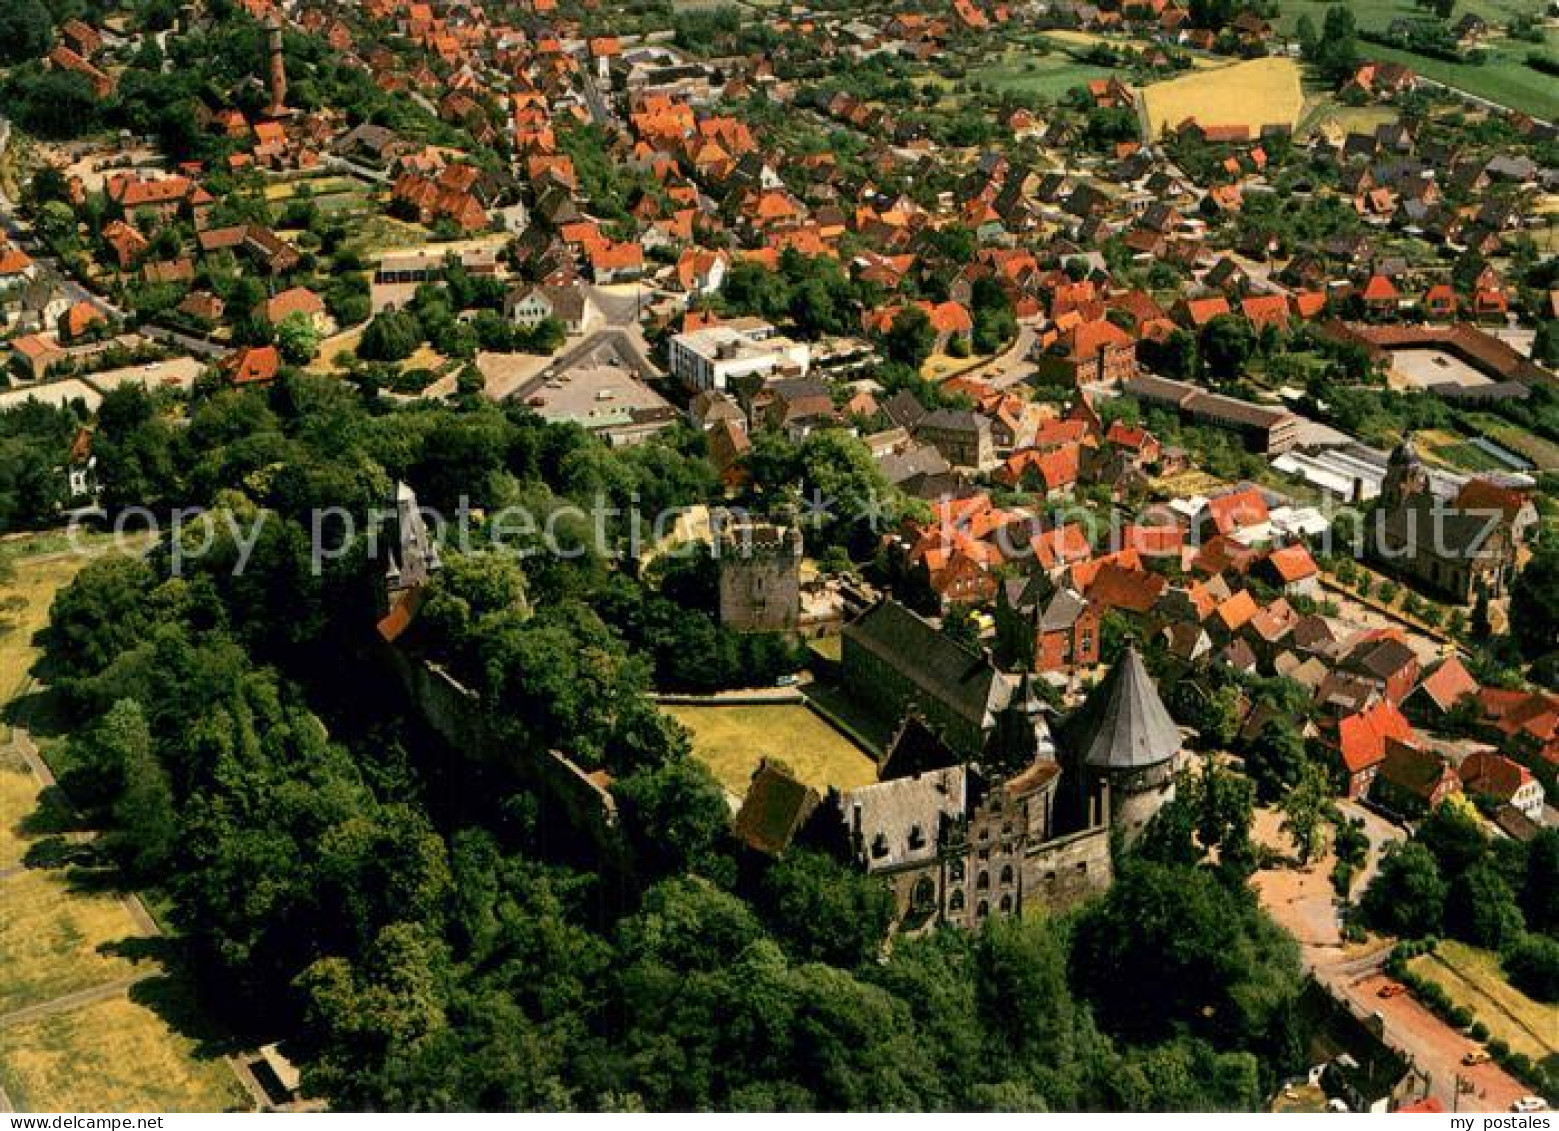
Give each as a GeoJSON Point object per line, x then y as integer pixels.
{"type": "Point", "coordinates": [1474, 980]}
{"type": "Point", "coordinates": [32, 570]}
{"type": "Point", "coordinates": [732, 740]}
{"type": "Point", "coordinates": [1256, 93]}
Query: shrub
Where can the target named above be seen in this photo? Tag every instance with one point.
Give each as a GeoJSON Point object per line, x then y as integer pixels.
{"type": "Point", "coordinates": [1532, 964]}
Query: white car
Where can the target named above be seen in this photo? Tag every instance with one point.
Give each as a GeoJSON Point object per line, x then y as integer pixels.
{"type": "Point", "coordinates": [1530, 1103]}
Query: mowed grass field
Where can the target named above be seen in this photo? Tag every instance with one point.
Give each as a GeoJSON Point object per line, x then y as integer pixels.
{"type": "Point", "coordinates": [1048, 75]}
{"type": "Point", "coordinates": [106, 1053]}
{"type": "Point", "coordinates": [128, 1057]}
{"type": "Point", "coordinates": [53, 940]}
{"type": "Point", "coordinates": [1255, 93]}
{"type": "Point", "coordinates": [1474, 980]}
{"type": "Point", "coordinates": [732, 740]}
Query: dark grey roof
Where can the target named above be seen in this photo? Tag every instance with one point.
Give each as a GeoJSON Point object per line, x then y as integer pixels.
{"type": "Point", "coordinates": [1425, 526]}
{"type": "Point", "coordinates": [941, 669]}
{"type": "Point", "coordinates": [1124, 724]}
{"type": "Point", "coordinates": [1062, 612]}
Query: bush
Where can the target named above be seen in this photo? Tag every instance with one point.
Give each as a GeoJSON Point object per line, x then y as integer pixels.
{"type": "Point", "coordinates": [1478, 1031]}
{"type": "Point", "coordinates": [1532, 964]}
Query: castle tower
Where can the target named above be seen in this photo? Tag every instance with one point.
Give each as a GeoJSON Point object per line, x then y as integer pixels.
{"type": "Point", "coordinates": [1124, 740]}
{"type": "Point", "coordinates": [760, 575]}
{"type": "Point", "coordinates": [278, 67]}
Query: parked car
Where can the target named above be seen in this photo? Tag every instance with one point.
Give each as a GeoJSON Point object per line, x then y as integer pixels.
{"type": "Point", "coordinates": [1476, 1056]}
{"type": "Point", "coordinates": [1530, 1103]}
{"type": "Point", "coordinates": [1391, 989]}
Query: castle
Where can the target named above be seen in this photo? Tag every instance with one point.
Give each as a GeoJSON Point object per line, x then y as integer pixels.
{"type": "Point", "coordinates": [979, 811]}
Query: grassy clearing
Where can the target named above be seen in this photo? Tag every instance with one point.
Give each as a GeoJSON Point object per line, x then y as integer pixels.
{"type": "Point", "coordinates": [1256, 93]}
{"type": "Point", "coordinates": [1327, 115]}
{"type": "Point", "coordinates": [1468, 457]}
{"type": "Point", "coordinates": [732, 740]}
{"type": "Point", "coordinates": [380, 234]}
{"type": "Point", "coordinates": [1048, 75]}
{"type": "Point", "coordinates": [33, 568]}
{"type": "Point", "coordinates": [1474, 980]}
{"type": "Point", "coordinates": [1504, 77]}
{"type": "Point", "coordinates": [114, 1055]}
{"type": "Point", "coordinates": [51, 937]}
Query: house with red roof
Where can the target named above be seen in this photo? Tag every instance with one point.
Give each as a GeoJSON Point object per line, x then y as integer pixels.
{"type": "Point", "coordinates": [1381, 296]}
{"type": "Point", "coordinates": [1489, 774]}
{"type": "Point", "coordinates": [1194, 313]}
{"type": "Point", "coordinates": [1359, 740]}
{"type": "Point", "coordinates": [1442, 690]}
{"type": "Point", "coordinates": [252, 365]}
{"type": "Point", "coordinates": [1293, 570]}
{"type": "Point", "coordinates": [1232, 512]}
{"type": "Point", "coordinates": [1091, 351]}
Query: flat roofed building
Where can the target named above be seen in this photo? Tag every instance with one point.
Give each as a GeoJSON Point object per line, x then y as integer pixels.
{"type": "Point", "coordinates": [715, 356]}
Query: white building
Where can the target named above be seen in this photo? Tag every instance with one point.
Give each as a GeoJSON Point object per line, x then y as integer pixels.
{"type": "Point", "coordinates": [572, 306]}
{"type": "Point", "coordinates": [714, 356]}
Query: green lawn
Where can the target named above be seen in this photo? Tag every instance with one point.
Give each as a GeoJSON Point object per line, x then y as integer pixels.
{"type": "Point", "coordinates": [1543, 453]}
{"type": "Point", "coordinates": [1048, 75]}
{"type": "Point", "coordinates": [732, 740]}
{"type": "Point", "coordinates": [1469, 457]}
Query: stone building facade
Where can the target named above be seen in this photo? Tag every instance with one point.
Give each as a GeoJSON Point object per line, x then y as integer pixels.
{"type": "Point", "coordinates": [1454, 551]}
{"type": "Point", "coordinates": [760, 575]}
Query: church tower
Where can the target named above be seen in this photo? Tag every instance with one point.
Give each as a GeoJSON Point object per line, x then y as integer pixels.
{"type": "Point", "coordinates": [278, 67]}
{"type": "Point", "coordinates": [1405, 476]}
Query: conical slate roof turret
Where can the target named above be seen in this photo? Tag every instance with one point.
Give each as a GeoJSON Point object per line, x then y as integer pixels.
{"type": "Point", "coordinates": [1124, 724]}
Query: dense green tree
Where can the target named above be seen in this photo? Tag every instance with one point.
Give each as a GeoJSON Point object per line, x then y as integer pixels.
{"type": "Point", "coordinates": [1540, 889]}
{"type": "Point", "coordinates": [830, 913]}
{"type": "Point", "coordinates": [910, 339]}
{"type": "Point", "coordinates": [391, 336]}
{"type": "Point", "coordinates": [1276, 758]}
{"type": "Point", "coordinates": [1532, 962]}
{"type": "Point", "coordinates": [1227, 345]}
{"type": "Point", "coordinates": [677, 819]}
{"type": "Point", "coordinates": [297, 339]}
{"type": "Point", "coordinates": [25, 30]}
{"type": "Point", "coordinates": [1534, 603]}
{"type": "Point", "coordinates": [1407, 895]}
{"type": "Point", "coordinates": [1305, 808]}
{"type": "Point", "coordinates": [1169, 946]}
{"type": "Point", "coordinates": [1480, 908]}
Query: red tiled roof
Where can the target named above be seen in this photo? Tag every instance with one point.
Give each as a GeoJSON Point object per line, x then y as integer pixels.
{"type": "Point", "coordinates": [1361, 738]}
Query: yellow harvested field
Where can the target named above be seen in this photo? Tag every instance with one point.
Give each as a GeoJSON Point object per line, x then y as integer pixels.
{"type": "Point", "coordinates": [732, 740]}
{"type": "Point", "coordinates": [1256, 93]}
{"type": "Point", "coordinates": [50, 936]}
{"type": "Point", "coordinates": [113, 1055]}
